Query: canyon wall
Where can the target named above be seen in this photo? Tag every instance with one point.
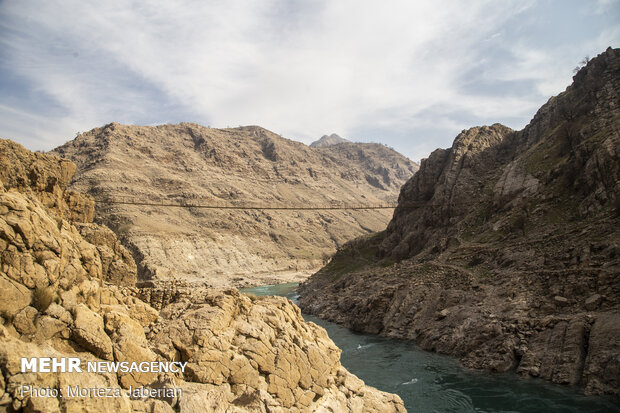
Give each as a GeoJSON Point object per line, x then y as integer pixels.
{"type": "Point", "coordinates": [505, 248]}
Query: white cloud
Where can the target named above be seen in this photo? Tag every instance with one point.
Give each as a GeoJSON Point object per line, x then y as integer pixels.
{"type": "Point", "coordinates": [299, 68]}
{"type": "Point", "coordinates": [604, 6]}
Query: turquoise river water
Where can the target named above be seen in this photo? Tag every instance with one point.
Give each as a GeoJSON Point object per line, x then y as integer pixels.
{"type": "Point", "coordinates": [428, 382]}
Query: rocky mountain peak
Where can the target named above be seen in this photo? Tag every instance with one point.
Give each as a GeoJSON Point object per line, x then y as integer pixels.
{"type": "Point", "coordinates": [477, 139]}
{"type": "Point", "coordinates": [328, 140]}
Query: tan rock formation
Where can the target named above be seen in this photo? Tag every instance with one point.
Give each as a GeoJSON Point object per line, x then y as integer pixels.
{"type": "Point", "coordinates": [46, 178]}
{"type": "Point", "coordinates": [118, 265]}
{"type": "Point", "coordinates": [253, 349]}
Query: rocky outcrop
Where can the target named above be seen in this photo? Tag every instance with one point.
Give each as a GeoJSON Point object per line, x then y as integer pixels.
{"type": "Point", "coordinates": [257, 353]}
{"type": "Point", "coordinates": [245, 166]}
{"type": "Point", "coordinates": [57, 299]}
{"type": "Point", "coordinates": [448, 182]}
{"type": "Point", "coordinates": [45, 179]}
{"type": "Point", "coordinates": [117, 263]}
{"type": "Point", "coordinates": [504, 249]}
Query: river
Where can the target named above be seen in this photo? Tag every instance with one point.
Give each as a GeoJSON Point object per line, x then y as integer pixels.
{"type": "Point", "coordinates": [429, 382]}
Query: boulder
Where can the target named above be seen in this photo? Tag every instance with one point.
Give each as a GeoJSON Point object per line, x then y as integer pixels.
{"type": "Point", "coordinates": [24, 320]}
{"type": "Point", "coordinates": [129, 344]}
{"type": "Point", "coordinates": [89, 333]}
{"type": "Point", "coordinates": [14, 297]}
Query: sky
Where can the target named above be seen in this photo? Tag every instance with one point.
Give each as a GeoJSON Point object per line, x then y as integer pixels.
{"type": "Point", "coordinates": [409, 74]}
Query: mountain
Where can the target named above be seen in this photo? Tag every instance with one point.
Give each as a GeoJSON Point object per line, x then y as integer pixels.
{"type": "Point", "coordinates": [504, 249]}
{"type": "Point", "coordinates": [239, 167]}
{"type": "Point", "coordinates": [61, 297]}
{"type": "Point", "coordinates": [328, 140]}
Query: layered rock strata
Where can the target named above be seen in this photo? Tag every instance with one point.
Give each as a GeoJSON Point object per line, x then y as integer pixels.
{"type": "Point", "coordinates": [505, 248]}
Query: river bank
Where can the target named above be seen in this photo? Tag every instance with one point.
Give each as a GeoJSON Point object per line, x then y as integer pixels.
{"type": "Point", "coordinates": [432, 382]}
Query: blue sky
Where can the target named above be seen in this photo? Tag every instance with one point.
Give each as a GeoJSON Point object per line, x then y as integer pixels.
{"type": "Point", "coordinates": [410, 74]}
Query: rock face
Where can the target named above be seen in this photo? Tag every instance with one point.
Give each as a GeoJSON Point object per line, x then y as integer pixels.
{"type": "Point", "coordinates": [505, 249]}
{"type": "Point", "coordinates": [328, 140]}
{"type": "Point", "coordinates": [246, 166]}
{"type": "Point", "coordinates": [64, 293]}
{"type": "Point", "coordinates": [116, 261]}
{"type": "Point", "coordinates": [47, 178]}
{"type": "Point", "coordinates": [44, 180]}
{"type": "Point", "coordinates": [259, 354]}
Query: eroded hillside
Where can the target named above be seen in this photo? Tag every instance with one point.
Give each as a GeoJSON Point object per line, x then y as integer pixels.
{"type": "Point", "coordinates": [246, 166]}
{"type": "Point", "coordinates": [505, 248]}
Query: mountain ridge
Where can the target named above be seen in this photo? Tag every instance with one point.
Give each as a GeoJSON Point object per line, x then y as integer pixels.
{"type": "Point", "coordinates": [246, 166]}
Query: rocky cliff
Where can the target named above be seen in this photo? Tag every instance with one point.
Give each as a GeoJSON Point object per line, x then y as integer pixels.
{"type": "Point", "coordinates": [44, 180]}
{"type": "Point", "coordinates": [246, 166]}
{"type": "Point", "coordinates": [505, 248]}
{"type": "Point", "coordinates": [65, 291]}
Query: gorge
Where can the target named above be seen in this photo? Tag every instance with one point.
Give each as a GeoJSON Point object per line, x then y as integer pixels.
{"type": "Point", "coordinates": [503, 251]}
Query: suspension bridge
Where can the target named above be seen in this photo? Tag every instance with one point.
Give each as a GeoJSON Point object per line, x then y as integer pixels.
{"type": "Point", "coordinates": [219, 205]}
